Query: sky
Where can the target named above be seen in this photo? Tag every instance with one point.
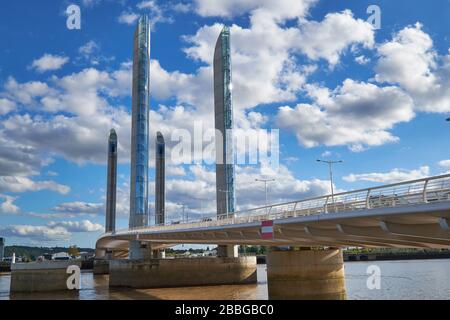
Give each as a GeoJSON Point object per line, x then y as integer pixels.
{"type": "Point", "coordinates": [338, 82]}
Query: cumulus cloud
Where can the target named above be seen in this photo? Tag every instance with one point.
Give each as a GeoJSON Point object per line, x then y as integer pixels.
{"type": "Point", "coordinates": [329, 38]}
{"type": "Point", "coordinates": [8, 206]}
{"type": "Point", "coordinates": [79, 207]}
{"type": "Point", "coordinates": [49, 62]}
{"type": "Point", "coordinates": [357, 114]}
{"type": "Point", "coordinates": [23, 184]}
{"type": "Point", "coordinates": [6, 106]}
{"type": "Point", "coordinates": [410, 61]}
{"type": "Point", "coordinates": [40, 233]}
{"type": "Point", "coordinates": [129, 18]}
{"type": "Point", "coordinates": [77, 226]}
{"type": "Point", "coordinates": [53, 231]}
{"type": "Point", "coordinates": [393, 176]}
{"type": "Point", "coordinates": [444, 163]}
{"type": "Point", "coordinates": [282, 9]}
{"type": "Point", "coordinates": [155, 12]}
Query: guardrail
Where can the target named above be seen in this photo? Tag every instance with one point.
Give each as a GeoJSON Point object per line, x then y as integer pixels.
{"type": "Point", "coordinates": [427, 190]}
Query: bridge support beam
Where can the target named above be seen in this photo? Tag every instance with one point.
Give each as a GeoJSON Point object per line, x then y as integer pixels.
{"type": "Point", "coordinates": [228, 251]}
{"type": "Point", "coordinates": [139, 250]}
{"type": "Point", "coordinates": [306, 275]}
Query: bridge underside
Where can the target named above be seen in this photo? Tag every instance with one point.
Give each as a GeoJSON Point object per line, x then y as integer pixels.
{"type": "Point", "coordinates": [419, 226]}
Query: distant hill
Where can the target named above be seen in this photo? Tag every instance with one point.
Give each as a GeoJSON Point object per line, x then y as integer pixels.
{"type": "Point", "coordinates": [34, 252]}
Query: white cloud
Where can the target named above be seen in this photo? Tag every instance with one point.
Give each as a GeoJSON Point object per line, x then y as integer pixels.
{"type": "Point", "coordinates": [411, 61]}
{"type": "Point", "coordinates": [356, 114]}
{"type": "Point", "coordinates": [393, 176]}
{"type": "Point", "coordinates": [128, 17]}
{"type": "Point", "coordinates": [8, 206]}
{"type": "Point", "coordinates": [61, 230]}
{"type": "Point", "coordinates": [182, 7]}
{"type": "Point", "coordinates": [362, 60]}
{"type": "Point", "coordinates": [79, 207]}
{"type": "Point", "coordinates": [444, 163]}
{"type": "Point", "coordinates": [22, 184]}
{"type": "Point", "coordinates": [329, 38]}
{"type": "Point", "coordinates": [281, 9]}
{"type": "Point", "coordinates": [36, 232]}
{"type": "Point", "coordinates": [49, 62]}
{"type": "Point", "coordinates": [6, 106]}
{"type": "Point", "coordinates": [155, 12]}
{"type": "Point", "coordinates": [77, 226]}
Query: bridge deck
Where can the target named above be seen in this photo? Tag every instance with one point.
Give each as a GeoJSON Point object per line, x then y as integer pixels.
{"type": "Point", "coordinates": [413, 214]}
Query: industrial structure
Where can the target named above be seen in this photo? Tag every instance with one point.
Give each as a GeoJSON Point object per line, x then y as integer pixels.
{"type": "Point", "coordinates": [111, 187]}
{"type": "Point", "coordinates": [140, 132]}
{"type": "Point", "coordinates": [160, 176]}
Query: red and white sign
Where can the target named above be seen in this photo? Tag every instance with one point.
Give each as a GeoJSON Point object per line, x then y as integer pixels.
{"type": "Point", "coordinates": [267, 229]}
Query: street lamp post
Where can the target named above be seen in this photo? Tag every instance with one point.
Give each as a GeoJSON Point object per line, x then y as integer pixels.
{"type": "Point", "coordinates": [330, 166]}
{"type": "Point", "coordinates": [265, 187]}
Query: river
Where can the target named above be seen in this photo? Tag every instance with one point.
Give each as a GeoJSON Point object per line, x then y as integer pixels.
{"type": "Point", "coordinates": [404, 280]}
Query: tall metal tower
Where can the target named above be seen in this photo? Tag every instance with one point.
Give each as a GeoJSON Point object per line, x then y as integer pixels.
{"type": "Point", "coordinates": [223, 110]}
{"type": "Point", "coordinates": [160, 182]}
{"type": "Point", "coordinates": [140, 131]}
{"type": "Point", "coordinates": [111, 184]}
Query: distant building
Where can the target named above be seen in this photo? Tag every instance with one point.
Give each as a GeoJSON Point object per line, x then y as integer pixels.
{"type": "Point", "coordinates": [61, 256]}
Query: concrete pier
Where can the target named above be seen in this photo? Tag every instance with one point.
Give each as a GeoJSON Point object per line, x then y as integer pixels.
{"type": "Point", "coordinates": [182, 272]}
{"type": "Point", "coordinates": [306, 275]}
{"type": "Point", "coordinates": [41, 276]}
{"type": "Point", "coordinates": [100, 267]}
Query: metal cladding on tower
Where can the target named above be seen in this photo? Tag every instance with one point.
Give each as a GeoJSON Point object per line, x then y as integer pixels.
{"type": "Point", "coordinates": [160, 180]}
{"type": "Point", "coordinates": [111, 182]}
{"type": "Point", "coordinates": [140, 125]}
{"type": "Point", "coordinates": [224, 124]}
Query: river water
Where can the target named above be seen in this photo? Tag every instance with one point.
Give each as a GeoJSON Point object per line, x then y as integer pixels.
{"type": "Point", "coordinates": [405, 280]}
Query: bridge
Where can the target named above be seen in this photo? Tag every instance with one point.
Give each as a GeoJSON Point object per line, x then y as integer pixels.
{"type": "Point", "coordinates": [412, 214]}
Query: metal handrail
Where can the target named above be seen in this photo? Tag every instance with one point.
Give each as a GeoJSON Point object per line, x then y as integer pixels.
{"type": "Point", "coordinates": [426, 190]}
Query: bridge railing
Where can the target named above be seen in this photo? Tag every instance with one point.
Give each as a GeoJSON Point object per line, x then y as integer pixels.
{"type": "Point", "coordinates": [427, 190]}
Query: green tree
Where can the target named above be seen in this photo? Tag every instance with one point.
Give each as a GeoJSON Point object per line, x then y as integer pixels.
{"type": "Point", "coordinates": [73, 251]}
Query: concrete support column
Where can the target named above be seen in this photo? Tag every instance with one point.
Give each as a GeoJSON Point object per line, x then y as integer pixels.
{"type": "Point", "coordinates": [228, 251]}
{"type": "Point", "coordinates": [158, 254]}
{"type": "Point", "coordinates": [306, 275]}
{"type": "Point", "coordinates": [139, 250]}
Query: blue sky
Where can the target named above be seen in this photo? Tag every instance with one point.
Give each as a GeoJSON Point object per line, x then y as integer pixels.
{"type": "Point", "coordinates": [318, 71]}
